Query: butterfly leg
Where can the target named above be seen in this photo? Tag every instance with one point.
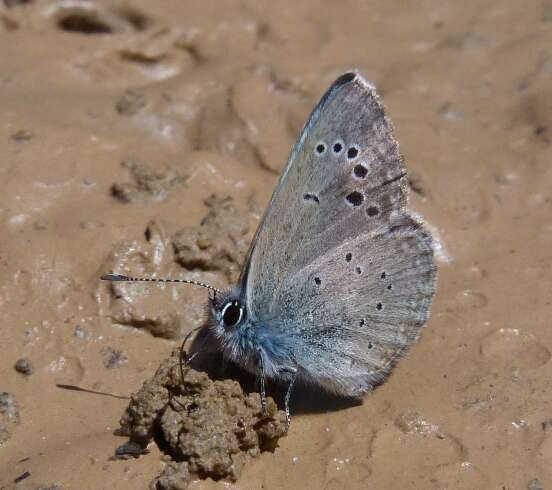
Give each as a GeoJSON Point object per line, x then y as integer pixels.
{"type": "Point", "coordinates": [184, 358]}
{"type": "Point", "coordinates": [293, 373]}
{"type": "Point", "coordinates": [262, 382]}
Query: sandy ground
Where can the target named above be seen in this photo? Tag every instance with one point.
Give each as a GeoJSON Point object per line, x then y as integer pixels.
{"type": "Point", "coordinates": [125, 125]}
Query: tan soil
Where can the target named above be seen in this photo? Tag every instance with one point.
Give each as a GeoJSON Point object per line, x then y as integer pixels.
{"type": "Point", "coordinates": [135, 133]}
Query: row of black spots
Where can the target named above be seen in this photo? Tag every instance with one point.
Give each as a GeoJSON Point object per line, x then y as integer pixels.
{"type": "Point", "coordinates": [356, 198]}
{"type": "Point", "coordinates": [361, 324]}
{"type": "Point", "coordinates": [359, 271]}
{"type": "Point", "coordinates": [348, 258]}
{"type": "Point", "coordinates": [384, 276]}
{"type": "Point", "coordinates": [337, 148]}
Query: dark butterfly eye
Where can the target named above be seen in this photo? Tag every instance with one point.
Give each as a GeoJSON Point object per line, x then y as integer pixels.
{"type": "Point", "coordinates": [232, 314]}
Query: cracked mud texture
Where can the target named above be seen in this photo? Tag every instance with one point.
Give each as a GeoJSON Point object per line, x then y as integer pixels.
{"type": "Point", "coordinates": [205, 428]}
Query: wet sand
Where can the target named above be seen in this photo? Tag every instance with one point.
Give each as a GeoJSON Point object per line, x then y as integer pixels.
{"type": "Point", "coordinates": [129, 127]}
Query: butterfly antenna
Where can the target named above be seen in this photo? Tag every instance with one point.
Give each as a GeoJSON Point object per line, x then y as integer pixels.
{"type": "Point", "coordinates": [121, 278]}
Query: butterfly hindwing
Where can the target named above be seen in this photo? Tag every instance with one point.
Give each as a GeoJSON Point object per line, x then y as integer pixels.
{"type": "Point", "coordinates": [354, 311]}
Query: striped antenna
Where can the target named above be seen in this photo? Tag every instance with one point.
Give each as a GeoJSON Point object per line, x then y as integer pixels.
{"type": "Point", "coordinates": [119, 277]}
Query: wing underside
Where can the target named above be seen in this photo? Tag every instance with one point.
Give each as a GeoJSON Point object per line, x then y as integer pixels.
{"type": "Point", "coordinates": [337, 265]}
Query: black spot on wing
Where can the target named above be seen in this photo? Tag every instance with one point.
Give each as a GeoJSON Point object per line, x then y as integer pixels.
{"type": "Point", "coordinates": [360, 171]}
{"type": "Point", "coordinates": [337, 147]}
{"type": "Point", "coordinates": [355, 198]}
{"type": "Point", "coordinates": [309, 196]}
{"type": "Point", "coordinates": [352, 152]}
{"type": "Point", "coordinates": [372, 211]}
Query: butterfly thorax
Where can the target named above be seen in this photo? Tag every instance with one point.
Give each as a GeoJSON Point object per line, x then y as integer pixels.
{"type": "Point", "coordinates": [248, 342]}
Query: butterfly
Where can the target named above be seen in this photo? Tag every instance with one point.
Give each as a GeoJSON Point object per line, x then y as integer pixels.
{"type": "Point", "coordinates": [339, 278]}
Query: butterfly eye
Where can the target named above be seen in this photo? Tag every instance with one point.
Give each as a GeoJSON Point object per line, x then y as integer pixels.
{"type": "Point", "coordinates": [232, 314]}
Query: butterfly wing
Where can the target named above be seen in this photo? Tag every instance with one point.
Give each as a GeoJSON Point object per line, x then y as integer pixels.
{"type": "Point", "coordinates": [355, 310]}
{"type": "Point", "coordinates": [342, 192]}
{"type": "Point", "coordinates": [345, 176]}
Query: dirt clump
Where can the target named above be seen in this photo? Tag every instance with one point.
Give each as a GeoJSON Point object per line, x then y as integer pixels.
{"type": "Point", "coordinates": [205, 428]}
{"type": "Point", "coordinates": [219, 243]}
{"type": "Point", "coordinates": [147, 183]}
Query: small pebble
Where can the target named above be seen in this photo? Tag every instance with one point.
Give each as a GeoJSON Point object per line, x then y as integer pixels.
{"type": "Point", "coordinates": [131, 102]}
{"type": "Point", "coordinates": [40, 225]}
{"type": "Point", "coordinates": [80, 332]}
{"type": "Point", "coordinates": [22, 135]}
{"type": "Point", "coordinates": [24, 366]}
{"type": "Point", "coordinates": [535, 485]}
{"type": "Point", "coordinates": [113, 358]}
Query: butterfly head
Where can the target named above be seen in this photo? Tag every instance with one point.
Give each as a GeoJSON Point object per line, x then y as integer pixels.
{"type": "Point", "coordinates": [228, 311]}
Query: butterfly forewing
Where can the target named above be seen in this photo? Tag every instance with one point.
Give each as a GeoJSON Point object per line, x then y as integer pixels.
{"type": "Point", "coordinates": [345, 177]}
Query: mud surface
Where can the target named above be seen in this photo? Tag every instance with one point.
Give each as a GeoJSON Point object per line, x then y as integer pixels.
{"type": "Point", "coordinates": [203, 101]}
{"type": "Point", "coordinates": [205, 429]}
